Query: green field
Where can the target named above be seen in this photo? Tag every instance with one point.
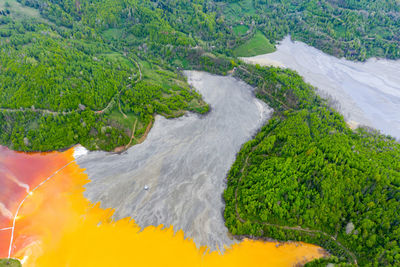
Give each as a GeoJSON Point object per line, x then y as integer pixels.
{"type": "Point", "coordinates": [125, 123]}
{"type": "Point", "coordinates": [240, 30]}
{"type": "Point", "coordinates": [21, 12]}
{"type": "Point", "coordinates": [257, 45]}
{"type": "Point", "coordinates": [112, 33]}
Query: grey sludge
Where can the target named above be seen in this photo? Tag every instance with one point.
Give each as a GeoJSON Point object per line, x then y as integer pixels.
{"type": "Point", "coordinates": [183, 164]}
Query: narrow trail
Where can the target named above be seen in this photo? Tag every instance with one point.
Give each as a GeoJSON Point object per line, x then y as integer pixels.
{"type": "Point", "coordinates": [133, 134]}
{"type": "Point", "coordinates": [38, 110]}
{"type": "Point", "coordinates": [109, 106]}
{"type": "Point", "coordinates": [265, 91]}
{"type": "Point", "coordinates": [295, 228]}
{"type": "Point", "coordinates": [126, 117]}
{"type": "Point", "coordinates": [30, 193]}
{"type": "Point", "coordinates": [140, 71]}
{"type": "Point", "coordinates": [141, 140]}
{"type": "Point", "coordinates": [118, 94]}
{"type": "Point", "coordinates": [55, 113]}
{"type": "Point", "coordinates": [120, 110]}
{"type": "Point", "coordinates": [5, 229]}
{"type": "Point", "coordinates": [105, 109]}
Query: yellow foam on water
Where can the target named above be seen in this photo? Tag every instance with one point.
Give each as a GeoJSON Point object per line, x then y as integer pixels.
{"type": "Point", "coordinates": [59, 227]}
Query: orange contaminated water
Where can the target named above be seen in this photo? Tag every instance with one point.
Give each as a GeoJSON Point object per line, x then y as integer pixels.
{"type": "Point", "coordinates": [58, 226]}
{"type": "Point", "coordinates": [20, 173]}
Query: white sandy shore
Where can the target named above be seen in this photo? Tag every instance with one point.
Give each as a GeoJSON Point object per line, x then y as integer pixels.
{"type": "Point", "coordinates": [365, 93]}
{"type": "Point", "coordinates": [79, 151]}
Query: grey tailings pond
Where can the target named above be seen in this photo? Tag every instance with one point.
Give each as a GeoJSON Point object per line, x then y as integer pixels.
{"type": "Point", "coordinates": [183, 164]}
{"type": "Point", "coordinates": [365, 93]}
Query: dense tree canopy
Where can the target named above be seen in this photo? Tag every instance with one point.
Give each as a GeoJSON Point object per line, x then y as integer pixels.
{"type": "Point", "coordinates": [353, 29]}
{"type": "Point", "coordinates": [307, 176]}
{"type": "Point", "coordinates": [72, 82]}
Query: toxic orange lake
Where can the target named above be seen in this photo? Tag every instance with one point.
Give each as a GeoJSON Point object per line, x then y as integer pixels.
{"type": "Point", "coordinates": [57, 226]}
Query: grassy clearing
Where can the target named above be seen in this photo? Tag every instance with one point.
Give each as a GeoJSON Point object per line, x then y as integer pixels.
{"type": "Point", "coordinates": [257, 45]}
{"type": "Point", "coordinates": [117, 57]}
{"type": "Point", "coordinates": [113, 34]}
{"type": "Point", "coordinates": [240, 30]}
{"type": "Point", "coordinates": [21, 12]}
{"type": "Point", "coordinates": [121, 120]}
{"type": "Point", "coordinates": [165, 78]}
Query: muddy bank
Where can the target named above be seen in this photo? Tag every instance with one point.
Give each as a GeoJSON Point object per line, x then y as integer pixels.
{"type": "Point", "coordinates": [177, 175]}
{"type": "Point", "coordinates": [365, 93]}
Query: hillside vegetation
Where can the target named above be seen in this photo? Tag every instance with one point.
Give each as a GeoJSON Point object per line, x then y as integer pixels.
{"type": "Point", "coordinates": [257, 45]}
{"type": "Point", "coordinates": [66, 66]}
{"type": "Point", "coordinates": [61, 82]}
{"type": "Point", "coordinates": [306, 176]}
{"type": "Point", "coordinates": [353, 29]}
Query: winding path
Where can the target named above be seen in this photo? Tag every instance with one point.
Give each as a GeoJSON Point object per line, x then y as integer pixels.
{"type": "Point", "coordinates": [55, 113]}
{"type": "Point", "coordinates": [119, 93]}
{"type": "Point", "coordinates": [133, 134]}
{"type": "Point", "coordinates": [43, 111]}
{"type": "Point", "coordinates": [263, 88]}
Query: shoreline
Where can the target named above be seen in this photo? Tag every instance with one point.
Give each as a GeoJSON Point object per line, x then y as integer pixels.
{"type": "Point", "coordinates": [365, 93]}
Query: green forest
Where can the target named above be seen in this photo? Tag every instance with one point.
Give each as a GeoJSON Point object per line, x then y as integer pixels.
{"type": "Point", "coordinates": [356, 30]}
{"type": "Point", "coordinates": [67, 83]}
{"type": "Point", "coordinates": [88, 71]}
{"type": "Point", "coordinates": [307, 176]}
